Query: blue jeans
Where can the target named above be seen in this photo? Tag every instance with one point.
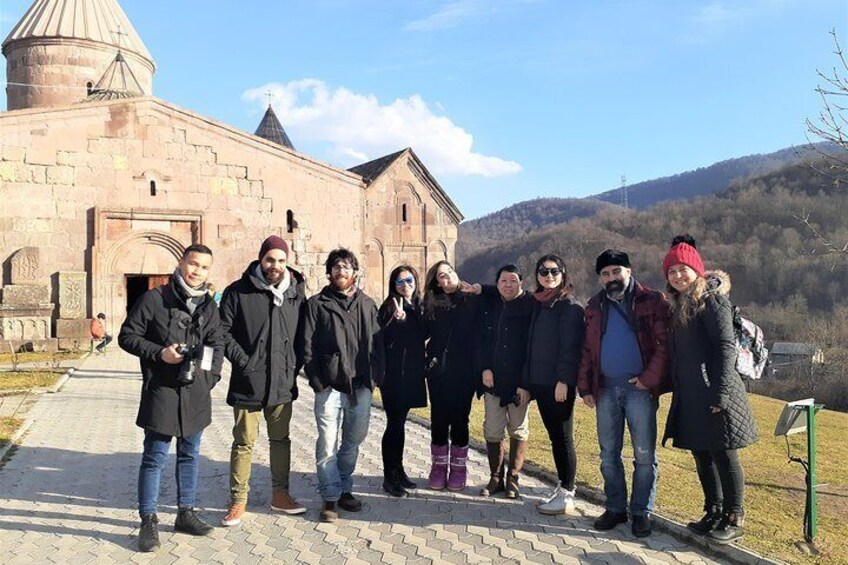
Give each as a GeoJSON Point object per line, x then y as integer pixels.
{"type": "Point", "coordinates": [638, 408]}
{"type": "Point", "coordinates": [342, 426]}
{"type": "Point", "coordinates": [156, 447]}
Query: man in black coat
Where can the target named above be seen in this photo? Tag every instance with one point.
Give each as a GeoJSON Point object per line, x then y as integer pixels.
{"type": "Point", "coordinates": [175, 331]}
{"type": "Point", "coordinates": [260, 314]}
{"type": "Point", "coordinates": [343, 359]}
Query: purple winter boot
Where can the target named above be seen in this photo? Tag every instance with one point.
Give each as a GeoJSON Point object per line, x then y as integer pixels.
{"type": "Point", "coordinates": [458, 470]}
{"type": "Point", "coordinates": [439, 470]}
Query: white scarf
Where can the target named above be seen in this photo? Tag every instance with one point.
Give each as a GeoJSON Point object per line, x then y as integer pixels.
{"type": "Point", "coordinates": [278, 290]}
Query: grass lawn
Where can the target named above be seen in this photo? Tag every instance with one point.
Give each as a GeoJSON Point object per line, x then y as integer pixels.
{"type": "Point", "coordinates": [774, 492]}
{"type": "Point", "coordinates": [8, 427]}
{"type": "Point", "coordinates": [40, 357]}
{"type": "Point", "coordinates": [21, 380]}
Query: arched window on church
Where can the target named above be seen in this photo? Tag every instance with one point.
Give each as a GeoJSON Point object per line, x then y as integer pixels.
{"type": "Point", "coordinates": [289, 221]}
{"type": "Point", "coordinates": [403, 213]}
{"type": "Point", "coordinates": [88, 88]}
{"type": "Point", "coordinates": [153, 188]}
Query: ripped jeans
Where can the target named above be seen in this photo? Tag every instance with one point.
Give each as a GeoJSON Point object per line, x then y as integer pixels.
{"type": "Point", "coordinates": [638, 408]}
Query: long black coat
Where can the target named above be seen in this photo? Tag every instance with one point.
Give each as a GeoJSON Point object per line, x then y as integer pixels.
{"type": "Point", "coordinates": [342, 344]}
{"type": "Point", "coordinates": [404, 386]}
{"type": "Point", "coordinates": [703, 370]}
{"type": "Point", "coordinates": [555, 343]}
{"type": "Point", "coordinates": [156, 321]}
{"type": "Point", "coordinates": [260, 341]}
{"type": "Point", "coordinates": [453, 329]}
{"type": "Point", "coordinates": [502, 335]}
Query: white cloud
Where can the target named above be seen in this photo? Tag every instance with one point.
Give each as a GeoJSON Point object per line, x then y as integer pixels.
{"type": "Point", "coordinates": [448, 16]}
{"type": "Point", "coordinates": [357, 127]}
{"type": "Point", "coordinates": [457, 12]}
{"type": "Point", "coordinates": [721, 12]}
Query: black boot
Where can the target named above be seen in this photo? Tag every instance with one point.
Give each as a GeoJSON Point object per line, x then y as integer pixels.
{"type": "Point", "coordinates": [404, 479]}
{"type": "Point", "coordinates": [729, 528]}
{"type": "Point", "coordinates": [391, 484]}
{"type": "Point", "coordinates": [706, 524]}
{"type": "Point", "coordinates": [148, 533]}
{"type": "Point", "coordinates": [189, 522]}
{"type": "Point", "coordinates": [517, 454]}
{"type": "Point", "coordinates": [495, 452]}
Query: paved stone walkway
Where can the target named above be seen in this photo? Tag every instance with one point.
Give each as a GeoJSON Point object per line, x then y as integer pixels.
{"type": "Point", "coordinates": [68, 495]}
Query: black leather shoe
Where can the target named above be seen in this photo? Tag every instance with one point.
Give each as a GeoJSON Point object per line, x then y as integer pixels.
{"type": "Point", "coordinates": [608, 520]}
{"type": "Point", "coordinates": [641, 525]}
{"type": "Point", "coordinates": [391, 484]}
{"type": "Point", "coordinates": [349, 502]}
{"type": "Point", "coordinates": [189, 522]}
{"type": "Point", "coordinates": [404, 479]}
{"type": "Point", "coordinates": [328, 512]}
{"type": "Point", "coordinates": [706, 524]}
{"type": "Point", "coordinates": [729, 528]}
{"type": "Point", "coordinates": [148, 533]}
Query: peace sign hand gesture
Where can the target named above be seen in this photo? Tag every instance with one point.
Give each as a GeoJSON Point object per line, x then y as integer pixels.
{"type": "Point", "coordinates": [397, 309]}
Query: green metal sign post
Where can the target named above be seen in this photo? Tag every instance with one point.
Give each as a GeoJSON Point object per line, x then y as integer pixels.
{"type": "Point", "coordinates": [811, 527]}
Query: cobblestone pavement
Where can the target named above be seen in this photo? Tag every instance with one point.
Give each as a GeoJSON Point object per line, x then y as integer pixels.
{"type": "Point", "coordinates": [68, 495]}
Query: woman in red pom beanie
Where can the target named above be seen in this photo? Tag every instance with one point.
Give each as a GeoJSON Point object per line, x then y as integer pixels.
{"type": "Point", "coordinates": [710, 414]}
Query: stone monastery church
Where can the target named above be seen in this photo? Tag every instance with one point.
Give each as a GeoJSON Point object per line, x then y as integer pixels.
{"type": "Point", "coordinates": [102, 185]}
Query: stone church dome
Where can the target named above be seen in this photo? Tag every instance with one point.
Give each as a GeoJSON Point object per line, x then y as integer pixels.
{"type": "Point", "coordinates": [61, 48]}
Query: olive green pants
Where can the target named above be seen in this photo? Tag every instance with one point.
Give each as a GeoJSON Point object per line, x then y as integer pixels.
{"type": "Point", "coordinates": [245, 430]}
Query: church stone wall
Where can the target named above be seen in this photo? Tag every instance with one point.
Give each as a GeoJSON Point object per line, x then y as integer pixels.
{"type": "Point", "coordinates": [114, 188]}
{"type": "Point", "coordinates": [404, 225]}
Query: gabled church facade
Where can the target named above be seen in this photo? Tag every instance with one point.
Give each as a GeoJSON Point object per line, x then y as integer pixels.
{"type": "Point", "coordinates": [102, 185]}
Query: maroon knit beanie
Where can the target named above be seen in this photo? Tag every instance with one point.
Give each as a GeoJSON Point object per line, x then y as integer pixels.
{"type": "Point", "coordinates": [273, 242]}
{"type": "Point", "coordinates": [683, 254]}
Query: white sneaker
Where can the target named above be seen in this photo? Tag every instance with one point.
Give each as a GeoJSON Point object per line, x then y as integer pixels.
{"type": "Point", "coordinates": [549, 496]}
{"type": "Point", "coordinates": [562, 503]}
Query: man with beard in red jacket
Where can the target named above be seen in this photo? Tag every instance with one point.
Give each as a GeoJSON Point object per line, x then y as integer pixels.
{"type": "Point", "coordinates": [623, 370]}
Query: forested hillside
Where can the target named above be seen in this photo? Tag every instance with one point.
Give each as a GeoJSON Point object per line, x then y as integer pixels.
{"type": "Point", "coordinates": [519, 219]}
{"type": "Point", "coordinates": [750, 230]}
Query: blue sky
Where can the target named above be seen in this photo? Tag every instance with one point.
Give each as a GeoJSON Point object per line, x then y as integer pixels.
{"type": "Point", "coordinates": [503, 100]}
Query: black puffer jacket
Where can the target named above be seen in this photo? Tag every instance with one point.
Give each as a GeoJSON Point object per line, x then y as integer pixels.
{"type": "Point", "coordinates": [403, 340]}
{"type": "Point", "coordinates": [160, 319]}
{"type": "Point", "coordinates": [260, 341]}
{"type": "Point", "coordinates": [555, 343]}
{"type": "Point", "coordinates": [703, 370]}
{"type": "Point", "coordinates": [342, 345]}
{"type": "Point", "coordinates": [502, 342]}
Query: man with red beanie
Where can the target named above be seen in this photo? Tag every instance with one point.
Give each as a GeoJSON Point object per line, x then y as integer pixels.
{"type": "Point", "coordinates": [260, 314]}
{"type": "Point", "coordinates": [623, 370]}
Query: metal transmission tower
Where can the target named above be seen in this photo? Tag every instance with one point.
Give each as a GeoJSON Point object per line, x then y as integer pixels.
{"type": "Point", "coordinates": [624, 201]}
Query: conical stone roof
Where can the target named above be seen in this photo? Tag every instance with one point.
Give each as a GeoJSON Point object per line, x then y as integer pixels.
{"type": "Point", "coordinates": [102, 21]}
{"type": "Point", "coordinates": [117, 82]}
{"type": "Point", "coordinates": [271, 129]}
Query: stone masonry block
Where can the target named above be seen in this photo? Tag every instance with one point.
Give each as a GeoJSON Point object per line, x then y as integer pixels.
{"type": "Point", "coordinates": [75, 329]}
{"type": "Point", "coordinates": [20, 294]}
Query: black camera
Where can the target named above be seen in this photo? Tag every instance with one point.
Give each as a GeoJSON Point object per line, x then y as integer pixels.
{"type": "Point", "coordinates": [186, 374]}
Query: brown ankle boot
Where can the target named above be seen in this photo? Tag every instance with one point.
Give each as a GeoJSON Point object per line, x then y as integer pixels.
{"type": "Point", "coordinates": [495, 451]}
{"type": "Point", "coordinates": [517, 453]}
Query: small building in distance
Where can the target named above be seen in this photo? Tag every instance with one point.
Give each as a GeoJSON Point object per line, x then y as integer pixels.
{"type": "Point", "coordinates": [786, 358]}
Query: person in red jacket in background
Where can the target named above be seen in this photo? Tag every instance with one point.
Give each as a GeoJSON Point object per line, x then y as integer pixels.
{"type": "Point", "coordinates": [623, 370]}
{"type": "Point", "coordinates": [98, 331]}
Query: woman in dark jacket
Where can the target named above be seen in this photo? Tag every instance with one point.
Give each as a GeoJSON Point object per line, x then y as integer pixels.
{"type": "Point", "coordinates": [557, 328]}
{"type": "Point", "coordinates": [403, 387]}
{"type": "Point", "coordinates": [450, 311]}
{"type": "Point", "coordinates": [710, 414]}
{"type": "Point", "coordinates": [505, 312]}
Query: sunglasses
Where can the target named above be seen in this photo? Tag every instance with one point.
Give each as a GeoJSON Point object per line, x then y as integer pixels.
{"type": "Point", "coordinates": [408, 280]}
{"type": "Point", "coordinates": [543, 272]}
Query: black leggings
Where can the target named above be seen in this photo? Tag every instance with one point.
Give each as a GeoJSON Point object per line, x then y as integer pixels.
{"type": "Point", "coordinates": [722, 479]}
{"type": "Point", "coordinates": [449, 418]}
{"type": "Point", "coordinates": [559, 422]}
{"type": "Point", "coordinates": [394, 438]}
